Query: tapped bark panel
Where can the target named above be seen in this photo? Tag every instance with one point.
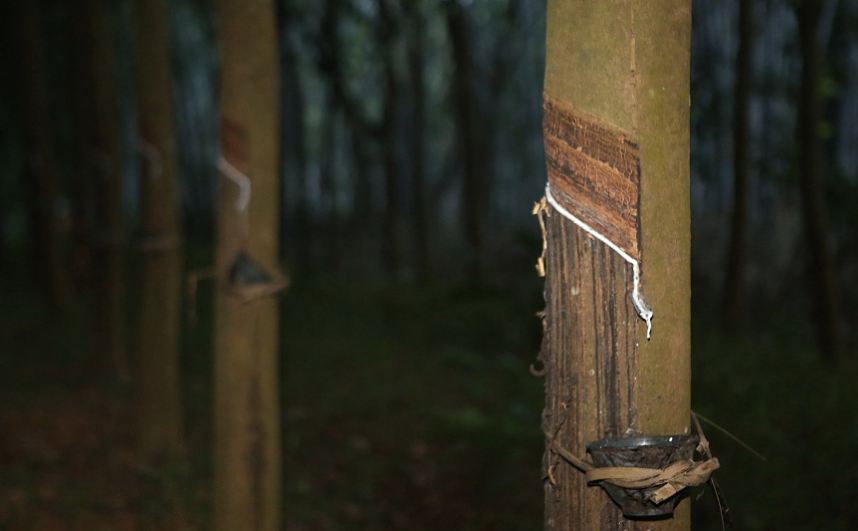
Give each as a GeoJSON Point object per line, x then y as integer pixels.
{"type": "Point", "coordinates": [234, 144]}
{"type": "Point", "coordinates": [590, 359]}
{"type": "Point", "coordinates": [594, 173]}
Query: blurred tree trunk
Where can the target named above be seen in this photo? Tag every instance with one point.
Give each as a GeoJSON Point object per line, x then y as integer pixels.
{"type": "Point", "coordinates": [474, 191]}
{"type": "Point", "coordinates": [616, 114]}
{"type": "Point", "coordinates": [821, 271]}
{"type": "Point", "coordinates": [416, 60]}
{"type": "Point", "coordinates": [109, 223]}
{"type": "Point", "coordinates": [332, 129]}
{"type": "Point", "coordinates": [390, 28]}
{"type": "Point", "coordinates": [82, 191]}
{"type": "Point", "coordinates": [40, 184]}
{"type": "Point", "coordinates": [366, 130]}
{"type": "Point", "coordinates": [363, 212]}
{"type": "Point", "coordinates": [247, 473]}
{"type": "Point", "coordinates": [160, 275]}
{"type": "Point", "coordinates": [293, 145]}
{"type": "Point", "coordinates": [734, 285]}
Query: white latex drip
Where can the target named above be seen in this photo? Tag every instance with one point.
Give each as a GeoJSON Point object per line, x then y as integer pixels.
{"type": "Point", "coordinates": [641, 306]}
{"type": "Point", "coordinates": [240, 179]}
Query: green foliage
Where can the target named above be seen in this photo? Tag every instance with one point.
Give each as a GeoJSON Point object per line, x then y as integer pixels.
{"type": "Point", "coordinates": [423, 403]}
{"type": "Point", "coordinates": [413, 408]}
{"type": "Point", "coordinates": [770, 390]}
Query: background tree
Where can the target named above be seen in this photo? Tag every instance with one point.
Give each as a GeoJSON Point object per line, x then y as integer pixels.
{"type": "Point", "coordinates": [390, 29]}
{"type": "Point", "coordinates": [81, 159]}
{"type": "Point", "coordinates": [734, 285]}
{"type": "Point", "coordinates": [108, 236]}
{"type": "Point", "coordinates": [471, 137]}
{"type": "Point", "coordinates": [293, 139]}
{"type": "Point", "coordinates": [160, 271]}
{"type": "Point", "coordinates": [40, 175]}
{"type": "Point", "coordinates": [417, 77]}
{"type": "Point", "coordinates": [247, 477]}
{"type": "Point", "coordinates": [616, 118]}
{"type": "Point", "coordinates": [820, 269]}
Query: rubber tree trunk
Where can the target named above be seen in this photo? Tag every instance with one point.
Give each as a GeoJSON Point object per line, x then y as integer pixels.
{"type": "Point", "coordinates": [391, 37]}
{"type": "Point", "coordinates": [82, 191]}
{"type": "Point", "coordinates": [821, 271]}
{"type": "Point", "coordinates": [294, 151]}
{"type": "Point", "coordinates": [617, 146]}
{"type": "Point", "coordinates": [474, 183]}
{"type": "Point", "coordinates": [247, 475]}
{"type": "Point", "coordinates": [157, 342]}
{"type": "Point", "coordinates": [734, 284]}
{"type": "Point", "coordinates": [109, 223]}
{"type": "Point", "coordinates": [417, 12]}
{"type": "Point", "coordinates": [40, 184]}
{"type": "Point", "coordinates": [330, 166]}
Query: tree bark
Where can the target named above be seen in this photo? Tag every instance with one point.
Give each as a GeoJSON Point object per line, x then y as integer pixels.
{"type": "Point", "coordinates": [616, 117]}
{"type": "Point", "coordinates": [82, 172]}
{"type": "Point", "coordinates": [734, 284]}
{"type": "Point", "coordinates": [109, 223]}
{"type": "Point", "coordinates": [40, 182]}
{"type": "Point", "coordinates": [390, 28]}
{"type": "Point", "coordinates": [247, 475]}
{"type": "Point", "coordinates": [330, 166]}
{"type": "Point", "coordinates": [821, 271]}
{"type": "Point", "coordinates": [293, 147]}
{"type": "Point", "coordinates": [160, 275]}
{"type": "Point", "coordinates": [418, 138]}
{"type": "Point", "coordinates": [474, 188]}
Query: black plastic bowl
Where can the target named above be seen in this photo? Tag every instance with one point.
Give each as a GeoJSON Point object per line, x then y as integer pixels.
{"type": "Point", "coordinates": [646, 452]}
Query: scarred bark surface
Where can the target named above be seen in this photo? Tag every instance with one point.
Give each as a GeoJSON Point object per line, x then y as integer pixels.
{"type": "Point", "coordinates": [624, 67]}
{"type": "Point", "coordinates": [590, 355]}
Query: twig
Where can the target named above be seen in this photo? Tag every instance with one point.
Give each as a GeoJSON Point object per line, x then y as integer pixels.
{"type": "Point", "coordinates": [728, 434]}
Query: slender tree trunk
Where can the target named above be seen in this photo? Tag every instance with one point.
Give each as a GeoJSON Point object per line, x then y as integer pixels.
{"type": "Point", "coordinates": [247, 475]}
{"type": "Point", "coordinates": [330, 187]}
{"type": "Point", "coordinates": [821, 271]}
{"type": "Point", "coordinates": [49, 262]}
{"type": "Point", "coordinates": [392, 246]}
{"type": "Point", "coordinates": [418, 139]}
{"type": "Point", "coordinates": [82, 180]}
{"type": "Point", "coordinates": [160, 275]}
{"type": "Point", "coordinates": [617, 147]}
{"type": "Point", "coordinates": [293, 147]}
{"type": "Point", "coordinates": [391, 138]}
{"type": "Point", "coordinates": [363, 212]}
{"type": "Point", "coordinates": [109, 230]}
{"type": "Point", "coordinates": [474, 190]}
{"type": "Point", "coordinates": [734, 285]}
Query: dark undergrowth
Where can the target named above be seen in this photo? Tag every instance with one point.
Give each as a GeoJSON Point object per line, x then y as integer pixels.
{"type": "Point", "coordinates": [403, 408]}
{"type": "Point", "coordinates": [770, 388]}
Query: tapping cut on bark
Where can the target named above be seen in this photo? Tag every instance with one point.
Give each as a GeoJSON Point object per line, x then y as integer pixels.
{"type": "Point", "coordinates": [595, 174]}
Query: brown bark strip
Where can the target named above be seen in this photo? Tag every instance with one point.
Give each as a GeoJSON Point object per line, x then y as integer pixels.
{"type": "Point", "coordinates": [595, 174]}
{"type": "Point", "coordinates": [235, 145]}
{"type": "Point", "coordinates": [590, 355]}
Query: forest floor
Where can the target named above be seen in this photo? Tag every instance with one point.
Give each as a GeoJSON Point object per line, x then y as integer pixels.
{"type": "Point", "coordinates": [404, 409]}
